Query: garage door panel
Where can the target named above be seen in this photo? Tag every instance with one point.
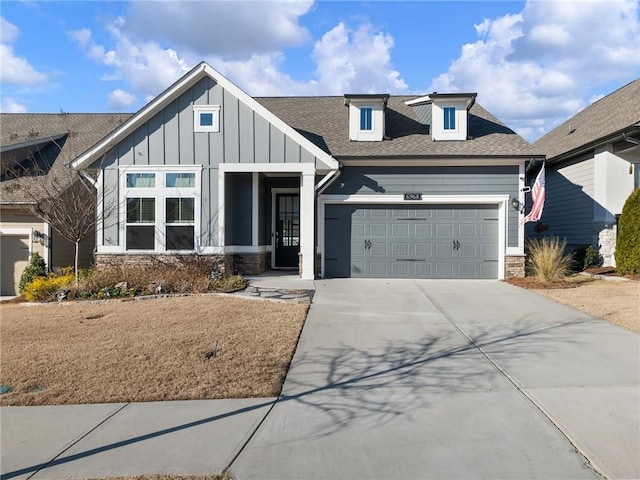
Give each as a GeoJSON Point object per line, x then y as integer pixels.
{"type": "Point", "coordinates": [400, 249]}
{"type": "Point", "coordinates": [468, 230]}
{"type": "Point", "coordinates": [423, 230]}
{"type": "Point", "coordinates": [357, 248]}
{"type": "Point", "coordinates": [444, 249]}
{"type": "Point", "coordinates": [379, 269]}
{"type": "Point", "coordinates": [379, 249]}
{"type": "Point", "coordinates": [444, 230]}
{"type": "Point", "coordinates": [400, 230]}
{"type": "Point", "coordinates": [423, 249]}
{"type": "Point", "coordinates": [419, 241]}
{"type": "Point", "coordinates": [379, 230]}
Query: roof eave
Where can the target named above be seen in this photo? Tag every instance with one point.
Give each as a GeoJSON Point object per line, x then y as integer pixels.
{"type": "Point", "coordinates": [585, 147]}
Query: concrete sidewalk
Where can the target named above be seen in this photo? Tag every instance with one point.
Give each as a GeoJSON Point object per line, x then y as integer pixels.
{"type": "Point", "coordinates": [391, 379]}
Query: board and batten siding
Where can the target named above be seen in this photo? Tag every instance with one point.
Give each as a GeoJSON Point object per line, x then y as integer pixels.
{"type": "Point", "coordinates": [168, 138]}
{"type": "Point", "coordinates": [484, 180]}
{"type": "Point", "coordinates": [569, 203]}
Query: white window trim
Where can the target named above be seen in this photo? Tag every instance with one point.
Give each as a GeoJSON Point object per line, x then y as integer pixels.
{"type": "Point", "coordinates": [502, 202]}
{"type": "Point", "coordinates": [373, 116]}
{"type": "Point", "coordinates": [455, 119]}
{"type": "Point", "coordinates": [214, 110]}
{"type": "Point", "coordinates": [160, 193]}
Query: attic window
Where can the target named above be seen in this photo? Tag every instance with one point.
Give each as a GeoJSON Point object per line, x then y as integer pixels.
{"type": "Point", "coordinates": [449, 118]}
{"type": "Point", "coordinates": [366, 119]}
{"type": "Point", "coordinates": [206, 118]}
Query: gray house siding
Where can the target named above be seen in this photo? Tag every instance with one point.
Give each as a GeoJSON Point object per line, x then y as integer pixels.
{"type": "Point", "coordinates": [238, 198]}
{"type": "Point", "coordinates": [168, 138]}
{"type": "Point", "coordinates": [501, 180]}
{"type": "Point", "coordinates": [569, 205]}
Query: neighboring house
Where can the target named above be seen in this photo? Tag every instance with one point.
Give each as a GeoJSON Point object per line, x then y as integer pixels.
{"type": "Point", "coordinates": [360, 185]}
{"type": "Point", "coordinates": [593, 165]}
{"type": "Point", "coordinates": [37, 148]}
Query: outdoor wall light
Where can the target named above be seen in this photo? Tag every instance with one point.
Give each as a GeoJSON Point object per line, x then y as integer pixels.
{"type": "Point", "coordinates": [39, 237]}
{"type": "Point", "coordinates": [515, 203]}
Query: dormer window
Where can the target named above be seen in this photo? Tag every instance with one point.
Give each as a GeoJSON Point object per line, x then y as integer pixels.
{"type": "Point", "coordinates": [366, 116]}
{"type": "Point", "coordinates": [447, 114]}
{"type": "Point", "coordinates": [366, 119]}
{"type": "Point", "coordinates": [449, 118]}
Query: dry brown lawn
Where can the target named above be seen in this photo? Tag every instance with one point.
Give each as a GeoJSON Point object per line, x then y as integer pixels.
{"type": "Point", "coordinates": [615, 302]}
{"type": "Point", "coordinates": [135, 351]}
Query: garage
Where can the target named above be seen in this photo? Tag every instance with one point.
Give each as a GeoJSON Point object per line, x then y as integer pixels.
{"type": "Point", "coordinates": [15, 257]}
{"type": "Point", "coordinates": [411, 241]}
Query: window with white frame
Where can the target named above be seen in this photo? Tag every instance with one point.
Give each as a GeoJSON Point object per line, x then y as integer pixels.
{"type": "Point", "coordinates": [449, 118]}
{"type": "Point", "coordinates": [206, 118]}
{"type": "Point", "coordinates": [366, 119]}
{"type": "Point", "coordinates": [161, 210]}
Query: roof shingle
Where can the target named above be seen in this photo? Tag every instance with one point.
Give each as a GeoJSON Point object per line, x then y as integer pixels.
{"type": "Point", "coordinates": [608, 116]}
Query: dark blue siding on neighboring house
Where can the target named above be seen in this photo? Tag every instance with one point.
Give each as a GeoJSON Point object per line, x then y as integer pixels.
{"type": "Point", "coordinates": [569, 204]}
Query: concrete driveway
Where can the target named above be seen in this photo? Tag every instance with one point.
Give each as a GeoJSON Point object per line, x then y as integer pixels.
{"type": "Point", "coordinates": [421, 379]}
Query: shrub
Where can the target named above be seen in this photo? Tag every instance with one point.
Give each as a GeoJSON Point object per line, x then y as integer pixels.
{"type": "Point", "coordinates": [182, 275]}
{"type": "Point", "coordinates": [628, 240]}
{"type": "Point", "coordinates": [36, 268]}
{"type": "Point", "coordinates": [43, 289]}
{"type": "Point", "coordinates": [546, 259]}
{"type": "Point", "coordinates": [586, 256]}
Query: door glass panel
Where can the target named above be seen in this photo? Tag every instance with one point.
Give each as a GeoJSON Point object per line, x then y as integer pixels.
{"type": "Point", "coordinates": [289, 220]}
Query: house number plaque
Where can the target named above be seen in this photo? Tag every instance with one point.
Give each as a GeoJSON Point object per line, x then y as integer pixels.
{"type": "Point", "coordinates": [413, 196]}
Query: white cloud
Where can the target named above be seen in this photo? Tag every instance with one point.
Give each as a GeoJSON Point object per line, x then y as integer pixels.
{"type": "Point", "coordinates": [228, 29]}
{"type": "Point", "coordinates": [8, 31]}
{"type": "Point", "coordinates": [147, 61]}
{"type": "Point", "coordinates": [536, 68]}
{"type": "Point", "coordinates": [14, 69]}
{"type": "Point", "coordinates": [120, 100]}
{"type": "Point", "coordinates": [356, 62]}
{"type": "Point", "coordinates": [9, 105]}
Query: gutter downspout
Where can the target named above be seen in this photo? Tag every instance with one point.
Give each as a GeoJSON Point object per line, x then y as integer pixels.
{"type": "Point", "coordinates": [629, 139]}
{"type": "Point", "coordinates": [327, 180]}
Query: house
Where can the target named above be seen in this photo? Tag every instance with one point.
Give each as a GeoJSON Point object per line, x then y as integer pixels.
{"type": "Point", "coordinates": [346, 186]}
{"type": "Point", "coordinates": [593, 165]}
{"type": "Point", "coordinates": [36, 149]}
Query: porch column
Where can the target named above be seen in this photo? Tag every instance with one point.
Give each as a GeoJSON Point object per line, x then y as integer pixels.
{"type": "Point", "coordinates": [307, 221]}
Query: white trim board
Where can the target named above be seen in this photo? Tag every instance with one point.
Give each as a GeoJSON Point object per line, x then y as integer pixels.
{"type": "Point", "coordinates": [501, 201]}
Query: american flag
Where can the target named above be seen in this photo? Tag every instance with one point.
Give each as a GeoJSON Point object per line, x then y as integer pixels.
{"type": "Point", "coordinates": [537, 195]}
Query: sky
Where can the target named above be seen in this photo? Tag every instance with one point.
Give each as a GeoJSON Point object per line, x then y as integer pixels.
{"type": "Point", "coordinates": [532, 63]}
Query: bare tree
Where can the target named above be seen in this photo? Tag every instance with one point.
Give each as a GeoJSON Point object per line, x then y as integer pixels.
{"type": "Point", "coordinates": [59, 195]}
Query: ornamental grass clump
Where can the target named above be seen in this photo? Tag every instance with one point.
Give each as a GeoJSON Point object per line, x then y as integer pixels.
{"type": "Point", "coordinates": [547, 260]}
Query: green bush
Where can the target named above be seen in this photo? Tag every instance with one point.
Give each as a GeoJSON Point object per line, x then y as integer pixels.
{"type": "Point", "coordinates": [628, 240]}
{"type": "Point", "coordinates": [43, 289]}
{"type": "Point", "coordinates": [586, 256]}
{"type": "Point", "coordinates": [546, 259]}
{"type": "Point", "coordinates": [36, 268]}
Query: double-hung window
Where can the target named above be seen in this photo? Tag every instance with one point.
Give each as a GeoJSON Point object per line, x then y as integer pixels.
{"type": "Point", "coordinates": [366, 119]}
{"type": "Point", "coordinates": [449, 118]}
{"type": "Point", "coordinates": [161, 210]}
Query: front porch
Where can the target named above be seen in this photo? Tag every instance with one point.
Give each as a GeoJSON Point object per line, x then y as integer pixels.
{"type": "Point", "coordinates": [266, 218]}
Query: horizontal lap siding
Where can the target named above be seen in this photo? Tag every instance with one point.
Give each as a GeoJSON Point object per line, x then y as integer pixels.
{"type": "Point", "coordinates": [569, 204]}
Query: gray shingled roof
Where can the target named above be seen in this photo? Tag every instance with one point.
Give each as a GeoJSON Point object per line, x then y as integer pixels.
{"type": "Point", "coordinates": [80, 132]}
{"type": "Point", "coordinates": [609, 116]}
{"type": "Point", "coordinates": [324, 121]}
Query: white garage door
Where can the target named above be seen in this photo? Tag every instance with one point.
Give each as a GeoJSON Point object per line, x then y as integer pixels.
{"type": "Point", "coordinates": [14, 252]}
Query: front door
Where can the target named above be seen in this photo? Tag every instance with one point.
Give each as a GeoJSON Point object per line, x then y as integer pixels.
{"type": "Point", "coordinates": [287, 234]}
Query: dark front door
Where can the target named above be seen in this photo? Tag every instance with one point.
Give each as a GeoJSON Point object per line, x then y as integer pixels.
{"type": "Point", "coordinates": [287, 241]}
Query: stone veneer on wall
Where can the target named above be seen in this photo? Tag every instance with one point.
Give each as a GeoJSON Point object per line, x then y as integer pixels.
{"type": "Point", "coordinates": [514, 266]}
